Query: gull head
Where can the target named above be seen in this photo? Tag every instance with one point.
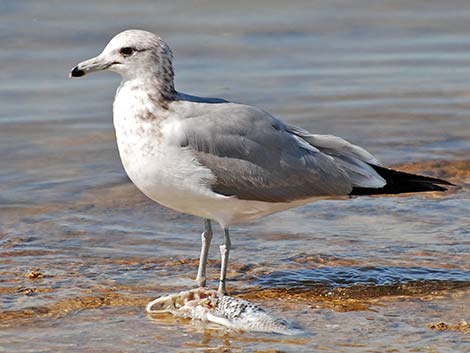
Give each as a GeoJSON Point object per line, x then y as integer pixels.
{"type": "Point", "coordinates": [134, 54]}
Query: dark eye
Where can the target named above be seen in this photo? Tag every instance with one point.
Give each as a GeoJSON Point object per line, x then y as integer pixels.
{"type": "Point", "coordinates": [126, 51]}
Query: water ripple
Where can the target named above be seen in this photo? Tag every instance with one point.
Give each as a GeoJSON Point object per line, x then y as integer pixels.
{"type": "Point", "coordinates": [346, 276]}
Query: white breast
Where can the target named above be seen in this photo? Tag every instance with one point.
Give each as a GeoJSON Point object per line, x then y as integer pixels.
{"type": "Point", "coordinates": [148, 143]}
{"type": "Point", "coordinates": [156, 164]}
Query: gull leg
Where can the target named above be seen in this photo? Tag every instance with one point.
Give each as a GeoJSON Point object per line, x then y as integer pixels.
{"type": "Point", "coordinates": [206, 238]}
{"type": "Point", "coordinates": [224, 252]}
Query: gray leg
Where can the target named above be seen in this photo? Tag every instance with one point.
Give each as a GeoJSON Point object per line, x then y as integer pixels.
{"type": "Point", "coordinates": [206, 238]}
{"type": "Point", "coordinates": [224, 252]}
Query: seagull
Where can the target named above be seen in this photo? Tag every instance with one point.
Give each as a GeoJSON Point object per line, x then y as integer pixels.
{"type": "Point", "coordinates": [223, 161]}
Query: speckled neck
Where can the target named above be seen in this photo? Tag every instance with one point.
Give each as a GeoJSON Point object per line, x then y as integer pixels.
{"type": "Point", "coordinates": [156, 79]}
{"type": "Point", "coordinates": [165, 74]}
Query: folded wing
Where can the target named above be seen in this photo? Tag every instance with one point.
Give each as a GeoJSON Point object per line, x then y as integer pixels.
{"type": "Point", "coordinates": [356, 161]}
{"type": "Point", "coordinates": [257, 157]}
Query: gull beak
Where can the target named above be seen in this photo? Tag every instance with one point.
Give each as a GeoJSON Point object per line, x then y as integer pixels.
{"type": "Point", "coordinates": [97, 63]}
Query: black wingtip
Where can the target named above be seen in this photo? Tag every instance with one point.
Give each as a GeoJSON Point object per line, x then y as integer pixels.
{"type": "Point", "coordinates": [400, 182]}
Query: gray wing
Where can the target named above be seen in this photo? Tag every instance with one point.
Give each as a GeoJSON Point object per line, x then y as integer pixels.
{"type": "Point", "coordinates": [255, 157]}
{"type": "Point", "coordinates": [355, 160]}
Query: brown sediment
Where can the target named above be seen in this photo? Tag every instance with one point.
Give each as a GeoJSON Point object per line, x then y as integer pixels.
{"type": "Point", "coordinates": [177, 264]}
{"type": "Point", "coordinates": [34, 274]}
{"type": "Point", "coordinates": [311, 298]}
{"type": "Point", "coordinates": [463, 327]}
{"type": "Point", "coordinates": [352, 298]}
{"type": "Point", "coordinates": [327, 260]}
{"type": "Point", "coordinates": [17, 253]}
{"type": "Point", "coordinates": [66, 306]}
{"type": "Point", "coordinates": [24, 290]}
{"type": "Point", "coordinates": [457, 172]}
{"type": "Point", "coordinates": [357, 297]}
{"type": "Point", "coordinates": [426, 259]}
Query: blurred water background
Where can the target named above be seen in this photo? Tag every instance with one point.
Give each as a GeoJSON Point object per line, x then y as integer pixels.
{"type": "Point", "coordinates": [81, 250]}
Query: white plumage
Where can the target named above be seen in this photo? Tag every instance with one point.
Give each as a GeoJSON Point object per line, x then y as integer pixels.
{"type": "Point", "coordinates": [215, 159]}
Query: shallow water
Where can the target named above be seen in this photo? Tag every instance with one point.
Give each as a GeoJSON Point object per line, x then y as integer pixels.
{"type": "Point", "coordinates": [82, 251]}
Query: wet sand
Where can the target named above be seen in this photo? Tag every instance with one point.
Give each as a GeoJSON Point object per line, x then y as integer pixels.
{"type": "Point", "coordinates": [82, 251]}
